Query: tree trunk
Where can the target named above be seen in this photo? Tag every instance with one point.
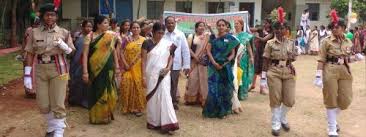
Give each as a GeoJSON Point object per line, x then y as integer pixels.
{"type": "Point", "coordinates": [13, 39]}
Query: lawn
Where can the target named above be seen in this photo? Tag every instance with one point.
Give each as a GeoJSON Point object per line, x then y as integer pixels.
{"type": "Point", "coordinates": [10, 68]}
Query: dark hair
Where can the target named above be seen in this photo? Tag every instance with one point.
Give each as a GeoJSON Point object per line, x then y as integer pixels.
{"type": "Point", "coordinates": [85, 22]}
{"type": "Point", "coordinates": [158, 26]}
{"type": "Point", "coordinates": [277, 25]}
{"type": "Point", "coordinates": [322, 27]}
{"type": "Point", "coordinates": [356, 28]}
{"type": "Point", "coordinates": [229, 25]}
{"type": "Point", "coordinates": [48, 7]}
{"type": "Point", "coordinates": [121, 29]}
{"type": "Point", "coordinates": [113, 21]}
{"type": "Point", "coordinates": [98, 20]}
{"type": "Point", "coordinates": [339, 23]}
{"type": "Point", "coordinates": [222, 20]}
{"type": "Point", "coordinates": [166, 19]}
{"type": "Point", "coordinates": [135, 22]}
{"type": "Point", "coordinates": [268, 20]}
{"type": "Point", "coordinates": [125, 21]}
{"type": "Point", "coordinates": [197, 25]}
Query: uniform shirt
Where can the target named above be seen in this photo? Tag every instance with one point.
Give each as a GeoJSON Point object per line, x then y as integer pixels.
{"type": "Point", "coordinates": [182, 56]}
{"type": "Point", "coordinates": [44, 41]}
{"type": "Point", "coordinates": [330, 47]}
{"type": "Point", "coordinates": [277, 50]}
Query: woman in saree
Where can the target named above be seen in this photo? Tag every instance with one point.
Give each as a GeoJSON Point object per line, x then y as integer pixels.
{"type": "Point", "coordinates": [132, 91]}
{"type": "Point", "coordinates": [245, 60]}
{"type": "Point", "coordinates": [100, 65]}
{"type": "Point", "coordinates": [77, 88]}
{"type": "Point", "coordinates": [262, 36]}
{"type": "Point", "coordinates": [221, 52]}
{"type": "Point", "coordinates": [197, 81]}
{"type": "Point", "coordinates": [125, 28]}
{"type": "Point", "coordinates": [157, 59]}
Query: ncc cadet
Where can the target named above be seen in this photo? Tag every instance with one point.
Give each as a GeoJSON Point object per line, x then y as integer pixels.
{"type": "Point", "coordinates": [49, 44]}
{"type": "Point", "coordinates": [279, 72]}
{"type": "Point", "coordinates": [333, 72]}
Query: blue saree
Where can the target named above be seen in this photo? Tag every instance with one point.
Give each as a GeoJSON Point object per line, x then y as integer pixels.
{"type": "Point", "coordinates": [220, 82]}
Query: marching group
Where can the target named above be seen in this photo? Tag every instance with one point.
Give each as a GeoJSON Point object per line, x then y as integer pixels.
{"type": "Point", "coordinates": [139, 63]}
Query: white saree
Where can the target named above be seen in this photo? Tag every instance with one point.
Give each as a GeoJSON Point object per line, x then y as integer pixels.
{"type": "Point", "coordinates": [160, 111]}
{"type": "Point", "coordinates": [235, 99]}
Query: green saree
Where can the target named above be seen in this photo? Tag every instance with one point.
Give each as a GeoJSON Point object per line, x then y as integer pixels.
{"type": "Point", "coordinates": [102, 93]}
{"type": "Point", "coordinates": [245, 66]}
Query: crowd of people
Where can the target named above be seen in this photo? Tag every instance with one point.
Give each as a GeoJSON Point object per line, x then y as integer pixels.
{"type": "Point", "coordinates": [309, 39]}
{"type": "Point", "coordinates": [137, 65]}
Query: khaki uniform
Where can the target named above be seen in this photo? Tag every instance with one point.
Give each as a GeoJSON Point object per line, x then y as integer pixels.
{"type": "Point", "coordinates": [52, 76]}
{"type": "Point", "coordinates": [337, 78]}
{"type": "Point", "coordinates": [281, 78]}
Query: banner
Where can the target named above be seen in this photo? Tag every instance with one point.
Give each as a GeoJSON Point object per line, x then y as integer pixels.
{"type": "Point", "coordinates": [186, 21]}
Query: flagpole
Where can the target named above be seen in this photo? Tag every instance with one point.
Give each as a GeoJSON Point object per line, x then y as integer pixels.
{"type": "Point", "coordinates": [349, 14]}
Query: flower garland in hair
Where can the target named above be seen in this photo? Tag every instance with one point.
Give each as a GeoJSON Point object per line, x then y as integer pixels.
{"type": "Point", "coordinates": [334, 17]}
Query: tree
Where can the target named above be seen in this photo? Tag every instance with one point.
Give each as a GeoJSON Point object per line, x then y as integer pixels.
{"type": "Point", "coordinates": [358, 6]}
{"type": "Point", "coordinates": [13, 38]}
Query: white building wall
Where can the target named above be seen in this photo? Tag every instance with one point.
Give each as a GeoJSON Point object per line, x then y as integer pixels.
{"type": "Point", "coordinates": [324, 9]}
{"type": "Point", "coordinates": [71, 9]}
{"type": "Point", "coordinates": [198, 6]}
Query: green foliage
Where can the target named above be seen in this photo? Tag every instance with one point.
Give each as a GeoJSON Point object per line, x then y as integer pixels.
{"type": "Point", "coordinates": [358, 6]}
{"type": "Point", "coordinates": [10, 68]}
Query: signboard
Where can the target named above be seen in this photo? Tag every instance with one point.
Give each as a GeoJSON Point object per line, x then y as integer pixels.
{"type": "Point", "coordinates": [186, 21]}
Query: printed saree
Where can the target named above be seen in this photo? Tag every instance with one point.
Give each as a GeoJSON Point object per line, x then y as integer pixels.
{"type": "Point", "coordinates": [247, 69]}
{"type": "Point", "coordinates": [102, 94]}
{"type": "Point", "coordinates": [220, 82]}
{"type": "Point", "coordinates": [132, 91]}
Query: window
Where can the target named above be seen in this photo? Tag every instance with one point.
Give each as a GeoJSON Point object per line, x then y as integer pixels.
{"type": "Point", "coordinates": [313, 11]}
{"type": "Point", "coordinates": [215, 7]}
{"type": "Point", "coordinates": [89, 8]}
{"type": "Point", "coordinates": [184, 6]}
{"type": "Point", "coordinates": [155, 9]}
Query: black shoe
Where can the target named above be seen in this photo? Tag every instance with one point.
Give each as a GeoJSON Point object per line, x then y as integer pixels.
{"type": "Point", "coordinates": [285, 127]}
{"type": "Point", "coordinates": [275, 132]}
{"type": "Point", "coordinates": [50, 134]}
{"type": "Point", "coordinates": [333, 135]}
{"type": "Point", "coordinates": [176, 107]}
{"type": "Point", "coordinates": [338, 128]}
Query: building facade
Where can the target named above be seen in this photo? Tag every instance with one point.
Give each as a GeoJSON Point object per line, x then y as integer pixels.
{"type": "Point", "coordinates": [75, 10]}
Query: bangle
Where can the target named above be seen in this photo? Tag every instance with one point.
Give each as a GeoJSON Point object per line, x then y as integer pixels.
{"type": "Point", "coordinates": [27, 75]}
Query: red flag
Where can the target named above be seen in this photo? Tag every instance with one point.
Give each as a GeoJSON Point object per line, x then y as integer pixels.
{"type": "Point", "coordinates": [57, 4]}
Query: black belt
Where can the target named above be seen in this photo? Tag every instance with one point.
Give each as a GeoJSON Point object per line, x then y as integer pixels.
{"type": "Point", "coordinates": [278, 63]}
{"type": "Point", "coordinates": [46, 59]}
{"type": "Point", "coordinates": [335, 60]}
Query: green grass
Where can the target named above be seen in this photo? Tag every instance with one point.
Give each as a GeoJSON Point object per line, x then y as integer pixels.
{"type": "Point", "coordinates": [10, 68]}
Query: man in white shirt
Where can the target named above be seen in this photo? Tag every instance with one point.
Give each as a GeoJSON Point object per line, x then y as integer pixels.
{"type": "Point", "coordinates": [182, 57]}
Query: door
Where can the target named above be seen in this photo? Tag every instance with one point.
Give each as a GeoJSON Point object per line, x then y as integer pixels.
{"type": "Point", "coordinates": [246, 6]}
{"type": "Point", "coordinates": [123, 10]}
